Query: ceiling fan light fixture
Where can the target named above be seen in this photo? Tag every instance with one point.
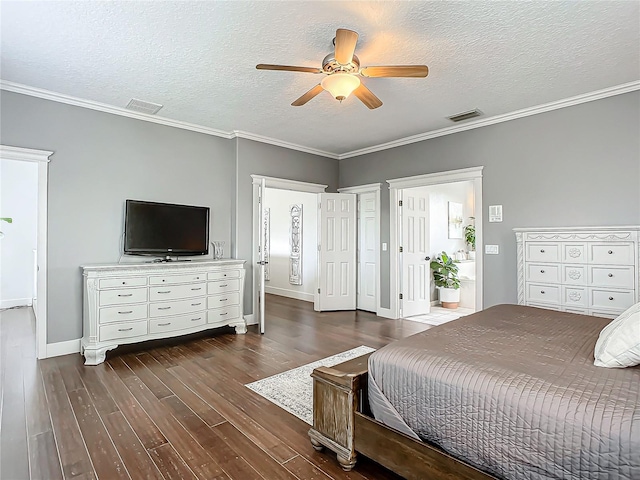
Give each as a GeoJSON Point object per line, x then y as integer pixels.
{"type": "Point", "coordinates": [340, 85]}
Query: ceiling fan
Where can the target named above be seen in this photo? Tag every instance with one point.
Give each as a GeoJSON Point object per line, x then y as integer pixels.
{"type": "Point", "coordinates": [342, 70]}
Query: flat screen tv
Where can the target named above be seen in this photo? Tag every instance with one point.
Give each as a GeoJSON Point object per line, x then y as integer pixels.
{"type": "Point", "coordinates": [164, 229]}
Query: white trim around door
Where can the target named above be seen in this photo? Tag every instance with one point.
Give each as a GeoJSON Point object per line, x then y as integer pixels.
{"type": "Point", "coordinates": [270, 182]}
{"type": "Point", "coordinates": [396, 187]}
{"type": "Point", "coordinates": [370, 188]}
{"type": "Point", "coordinates": [40, 308]}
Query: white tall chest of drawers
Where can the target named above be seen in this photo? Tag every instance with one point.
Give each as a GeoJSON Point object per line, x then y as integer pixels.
{"type": "Point", "coordinates": [130, 303]}
{"type": "Point", "coordinates": [587, 270]}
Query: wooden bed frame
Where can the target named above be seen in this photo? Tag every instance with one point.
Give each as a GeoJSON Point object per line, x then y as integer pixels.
{"type": "Point", "coordinates": [343, 423]}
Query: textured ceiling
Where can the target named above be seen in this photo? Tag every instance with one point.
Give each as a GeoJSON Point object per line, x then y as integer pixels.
{"type": "Point", "coordinates": [198, 59]}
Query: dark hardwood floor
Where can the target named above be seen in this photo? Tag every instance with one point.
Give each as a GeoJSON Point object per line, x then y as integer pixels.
{"type": "Point", "coordinates": [178, 409]}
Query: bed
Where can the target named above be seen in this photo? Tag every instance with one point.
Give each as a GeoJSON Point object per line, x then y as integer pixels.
{"type": "Point", "coordinates": [510, 392]}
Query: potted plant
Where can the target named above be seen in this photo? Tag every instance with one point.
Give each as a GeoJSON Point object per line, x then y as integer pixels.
{"type": "Point", "coordinates": [470, 238]}
{"type": "Point", "coordinates": [445, 275]}
{"type": "Point", "coordinates": [5, 219]}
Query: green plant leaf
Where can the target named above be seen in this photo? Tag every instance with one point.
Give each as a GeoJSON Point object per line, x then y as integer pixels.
{"type": "Point", "coordinates": [7, 219]}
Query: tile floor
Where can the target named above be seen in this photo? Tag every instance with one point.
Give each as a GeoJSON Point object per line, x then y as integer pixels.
{"type": "Point", "coordinates": [439, 315]}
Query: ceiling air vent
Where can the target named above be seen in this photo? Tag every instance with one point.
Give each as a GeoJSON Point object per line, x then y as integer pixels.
{"type": "Point", "coordinates": [465, 115]}
{"type": "Point", "coordinates": [143, 107]}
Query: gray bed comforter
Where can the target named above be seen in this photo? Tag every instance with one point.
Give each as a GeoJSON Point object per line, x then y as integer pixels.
{"type": "Point", "coordinates": [513, 391]}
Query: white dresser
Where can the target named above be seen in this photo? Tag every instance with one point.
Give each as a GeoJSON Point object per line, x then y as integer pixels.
{"type": "Point", "coordinates": [587, 270]}
{"type": "Point", "coordinates": [129, 303]}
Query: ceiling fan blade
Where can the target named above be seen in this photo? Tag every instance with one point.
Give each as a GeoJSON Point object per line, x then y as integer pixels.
{"type": "Point", "coordinates": [308, 96]}
{"type": "Point", "coordinates": [345, 45]}
{"type": "Point", "coordinates": [287, 68]}
{"type": "Point", "coordinates": [367, 97]}
{"type": "Point", "coordinates": [396, 71]}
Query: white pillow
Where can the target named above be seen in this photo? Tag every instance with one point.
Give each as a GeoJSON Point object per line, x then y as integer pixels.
{"type": "Point", "coordinates": [618, 345]}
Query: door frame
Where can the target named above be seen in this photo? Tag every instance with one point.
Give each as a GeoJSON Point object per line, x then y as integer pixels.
{"type": "Point", "coordinates": [270, 182]}
{"type": "Point", "coordinates": [41, 157]}
{"type": "Point", "coordinates": [358, 190]}
{"type": "Point", "coordinates": [396, 187]}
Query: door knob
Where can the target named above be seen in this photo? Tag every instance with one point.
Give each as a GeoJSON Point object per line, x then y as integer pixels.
{"type": "Point", "coordinates": [427, 258]}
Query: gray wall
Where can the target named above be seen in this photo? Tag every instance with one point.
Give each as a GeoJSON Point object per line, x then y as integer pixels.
{"type": "Point", "coordinates": [272, 161]}
{"type": "Point", "coordinates": [574, 166]}
{"type": "Point", "coordinates": [100, 160]}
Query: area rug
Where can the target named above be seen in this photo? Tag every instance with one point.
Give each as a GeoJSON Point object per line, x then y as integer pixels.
{"type": "Point", "coordinates": [293, 389]}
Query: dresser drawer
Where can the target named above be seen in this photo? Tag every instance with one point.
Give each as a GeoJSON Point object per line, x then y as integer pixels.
{"type": "Point", "coordinates": [123, 296]}
{"type": "Point", "coordinates": [170, 292]}
{"type": "Point", "coordinates": [574, 252]}
{"type": "Point", "coordinates": [223, 300]}
{"type": "Point", "coordinates": [543, 252]}
{"type": "Point", "coordinates": [222, 286]}
{"type": "Point", "coordinates": [122, 313]}
{"type": "Point", "coordinates": [615, 299]}
{"type": "Point", "coordinates": [537, 272]}
{"type": "Point", "coordinates": [223, 275]}
{"type": "Point", "coordinates": [538, 293]}
{"type": "Point", "coordinates": [574, 274]}
{"type": "Point", "coordinates": [614, 277]}
{"type": "Point", "coordinates": [178, 307]}
{"type": "Point", "coordinates": [221, 315]}
{"type": "Point", "coordinates": [183, 322]}
{"type": "Point", "coordinates": [122, 282]}
{"type": "Point", "coordinates": [122, 330]}
{"type": "Point", "coordinates": [575, 296]}
{"type": "Point", "coordinates": [174, 279]}
{"type": "Point", "coordinates": [611, 253]}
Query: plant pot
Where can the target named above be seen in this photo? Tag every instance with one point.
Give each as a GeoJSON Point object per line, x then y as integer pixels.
{"type": "Point", "coordinates": [449, 297]}
{"type": "Point", "coordinates": [472, 254]}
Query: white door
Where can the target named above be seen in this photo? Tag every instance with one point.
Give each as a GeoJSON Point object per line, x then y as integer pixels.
{"type": "Point", "coordinates": [261, 255]}
{"type": "Point", "coordinates": [416, 273]}
{"type": "Point", "coordinates": [336, 252]}
{"type": "Point", "coordinates": [367, 252]}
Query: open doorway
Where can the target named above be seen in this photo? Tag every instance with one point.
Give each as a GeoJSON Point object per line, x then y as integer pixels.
{"type": "Point", "coordinates": [32, 271]}
{"type": "Point", "coordinates": [429, 214]}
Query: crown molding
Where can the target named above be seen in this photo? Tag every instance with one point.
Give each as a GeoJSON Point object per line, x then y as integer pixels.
{"type": "Point", "coordinates": [285, 184]}
{"type": "Point", "coordinates": [371, 187]}
{"type": "Point", "coordinates": [283, 144]}
{"type": "Point", "coordinates": [24, 154]}
{"type": "Point", "coordinates": [525, 112]}
{"type": "Point", "coordinates": [437, 178]}
{"type": "Point", "coordinates": [103, 107]}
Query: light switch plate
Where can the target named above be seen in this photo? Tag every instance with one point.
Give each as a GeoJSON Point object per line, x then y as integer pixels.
{"type": "Point", "coordinates": [384, 246]}
{"type": "Point", "coordinates": [495, 213]}
{"type": "Point", "coordinates": [491, 249]}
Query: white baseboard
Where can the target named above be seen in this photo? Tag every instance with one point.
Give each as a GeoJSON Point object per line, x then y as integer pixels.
{"type": "Point", "coordinates": [250, 319]}
{"type": "Point", "coordinates": [283, 292]}
{"type": "Point", "coordinates": [63, 348]}
{"type": "Point", "coordinates": [386, 313]}
{"type": "Point", "coordinates": [16, 302]}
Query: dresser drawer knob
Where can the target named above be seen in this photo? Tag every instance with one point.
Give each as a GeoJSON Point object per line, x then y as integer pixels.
{"type": "Point", "coordinates": [196, 289]}
{"type": "Point", "coordinates": [196, 304]}
{"type": "Point", "coordinates": [542, 250]}
{"type": "Point", "coordinates": [225, 285]}
{"type": "Point", "coordinates": [610, 252]}
{"type": "Point", "coordinates": [164, 324]}
{"type": "Point", "coordinates": [542, 292]}
{"type": "Point", "coordinates": [125, 329]}
{"type": "Point", "coordinates": [196, 319]}
{"type": "Point", "coordinates": [225, 313]}
{"type": "Point", "coordinates": [224, 299]}
{"type": "Point", "coordinates": [125, 294]}
{"type": "Point", "coordinates": [610, 275]}
{"type": "Point", "coordinates": [165, 291]}
{"type": "Point", "coordinates": [541, 271]}
{"type": "Point", "coordinates": [126, 312]}
{"type": "Point", "coordinates": [164, 308]}
{"type": "Point", "coordinates": [610, 298]}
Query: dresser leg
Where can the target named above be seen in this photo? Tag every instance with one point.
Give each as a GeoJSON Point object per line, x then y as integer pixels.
{"type": "Point", "coordinates": [317, 445]}
{"type": "Point", "coordinates": [95, 356]}
{"type": "Point", "coordinates": [347, 463]}
{"type": "Point", "coordinates": [241, 329]}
